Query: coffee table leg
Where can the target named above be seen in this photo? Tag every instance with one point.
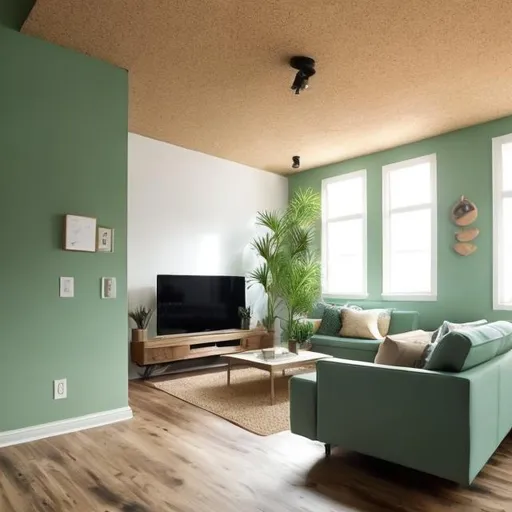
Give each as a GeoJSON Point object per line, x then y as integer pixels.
{"type": "Point", "coordinates": [284, 372]}
{"type": "Point", "coordinates": [229, 372]}
{"type": "Point", "coordinates": [272, 395]}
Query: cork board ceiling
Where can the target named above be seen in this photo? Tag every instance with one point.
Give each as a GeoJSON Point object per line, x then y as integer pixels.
{"type": "Point", "coordinates": [212, 75]}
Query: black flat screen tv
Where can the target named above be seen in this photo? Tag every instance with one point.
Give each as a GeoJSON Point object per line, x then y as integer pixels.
{"type": "Point", "coordinates": [198, 303]}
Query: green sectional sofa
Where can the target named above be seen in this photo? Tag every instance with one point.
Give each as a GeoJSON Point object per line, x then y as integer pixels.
{"type": "Point", "coordinates": [361, 349]}
{"type": "Point", "coordinates": [446, 419]}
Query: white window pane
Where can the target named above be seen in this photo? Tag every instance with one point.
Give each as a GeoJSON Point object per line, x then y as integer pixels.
{"type": "Point", "coordinates": [345, 237]}
{"type": "Point", "coordinates": [345, 197]}
{"type": "Point", "coordinates": [506, 247]}
{"type": "Point", "coordinates": [410, 272]}
{"type": "Point", "coordinates": [345, 274]}
{"type": "Point", "coordinates": [410, 186]}
{"type": "Point", "coordinates": [507, 166]}
{"type": "Point", "coordinates": [410, 231]}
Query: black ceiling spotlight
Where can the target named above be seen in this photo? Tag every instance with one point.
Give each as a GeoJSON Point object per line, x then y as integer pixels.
{"type": "Point", "coordinates": [296, 162]}
{"type": "Point", "coordinates": [306, 69]}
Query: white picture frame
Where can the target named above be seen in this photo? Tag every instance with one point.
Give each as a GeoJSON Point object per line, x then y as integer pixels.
{"type": "Point", "coordinates": [105, 239]}
{"type": "Point", "coordinates": [79, 233]}
{"type": "Point", "coordinates": [108, 288]}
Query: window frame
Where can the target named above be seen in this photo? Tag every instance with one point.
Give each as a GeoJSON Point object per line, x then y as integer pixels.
{"type": "Point", "coordinates": [431, 159]}
{"type": "Point", "coordinates": [325, 221]}
{"type": "Point", "coordinates": [498, 196]}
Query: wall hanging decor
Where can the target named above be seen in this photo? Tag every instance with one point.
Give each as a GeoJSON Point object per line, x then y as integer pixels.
{"type": "Point", "coordinates": [466, 235]}
{"type": "Point", "coordinates": [464, 212]}
{"type": "Point", "coordinates": [464, 248]}
{"type": "Point", "coordinates": [79, 233]}
{"type": "Point", "coordinates": [105, 239]}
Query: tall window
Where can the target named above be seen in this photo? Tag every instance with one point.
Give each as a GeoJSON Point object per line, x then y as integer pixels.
{"type": "Point", "coordinates": [409, 229]}
{"type": "Point", "coordinates": [502, 218]}
{"type": "Point", "coordinates": [344, 235]}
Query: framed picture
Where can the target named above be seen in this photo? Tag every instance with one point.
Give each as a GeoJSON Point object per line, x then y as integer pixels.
{"type": "Point", "coordinates": [105, 239]}
{"type": "Point", "coordinates": [108, 288]}
{"type": "Point", "coordinates": [79, 233]}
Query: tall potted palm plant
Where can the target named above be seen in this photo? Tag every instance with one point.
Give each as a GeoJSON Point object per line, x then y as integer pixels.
{"type": "Point", "coordinates": [289, 271]}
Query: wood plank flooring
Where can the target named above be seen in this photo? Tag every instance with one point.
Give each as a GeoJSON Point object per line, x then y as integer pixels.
{"type": "Point", "coordinates": [175, 457]}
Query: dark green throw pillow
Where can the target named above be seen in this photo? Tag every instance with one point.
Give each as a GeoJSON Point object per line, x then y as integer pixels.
{"type": "Point", "coordinates": [331, 321]}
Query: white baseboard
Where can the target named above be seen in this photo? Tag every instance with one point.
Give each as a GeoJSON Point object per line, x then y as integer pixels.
{"type": "Point", "coordinates": [56, 428]}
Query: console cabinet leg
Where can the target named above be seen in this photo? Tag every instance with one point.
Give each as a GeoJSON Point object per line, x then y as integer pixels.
{"type": "Point", "coordinates": [327, 450]}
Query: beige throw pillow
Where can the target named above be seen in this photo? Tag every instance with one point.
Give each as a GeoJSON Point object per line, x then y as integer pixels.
{"type": "Point", "coordinates": [360, 324]}
{"type": "Point", "coordinates": [406, 349]}
{"type": "Point", "coordinates": [384, 321]}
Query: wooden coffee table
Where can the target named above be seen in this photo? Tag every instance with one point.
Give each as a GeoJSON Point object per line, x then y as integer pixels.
{"type": "Point", "coordinates": [254, 359]}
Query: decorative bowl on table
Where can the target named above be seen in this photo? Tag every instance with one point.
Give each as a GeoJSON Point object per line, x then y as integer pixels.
{"type": "Point", "coordinates": [275, 353]}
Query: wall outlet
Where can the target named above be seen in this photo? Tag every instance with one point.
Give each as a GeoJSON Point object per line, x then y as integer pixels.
{"type": "Point", "coordinates": [60, 389]}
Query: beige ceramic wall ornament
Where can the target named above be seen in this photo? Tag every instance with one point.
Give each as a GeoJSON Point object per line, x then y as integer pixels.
{"type": "Point", "coordinates": [464, 248]}
{"type": "Point", "coordinates": [464, 212]}
{"type": "Point", "coordinates": [466, 235]}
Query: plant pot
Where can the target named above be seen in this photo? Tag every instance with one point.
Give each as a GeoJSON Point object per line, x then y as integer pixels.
{"type": "Point", "coordinates": [293, 346]}
{"type": "Point", "coordinates": [245, 323]}
{"type": "Point", "coordinates": [267, 340]}
{"type": "Point", "coordinates": [139, 335]}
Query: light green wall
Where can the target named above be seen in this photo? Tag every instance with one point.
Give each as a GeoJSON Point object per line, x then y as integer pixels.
{"type": "Point", "coordinates": [63, 149]}
{"type": "Point", "coordinates": [464, 166]}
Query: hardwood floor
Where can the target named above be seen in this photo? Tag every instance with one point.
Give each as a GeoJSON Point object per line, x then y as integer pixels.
{"type": "Point", "coordinates": [175, 457]}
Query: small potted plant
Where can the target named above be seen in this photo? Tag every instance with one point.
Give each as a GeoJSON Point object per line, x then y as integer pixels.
{"type": "Point", "coordinates": [245, 317]}
{"type": "Point", "coordinates": [300, 334]}
{"type": "Point", "coordinates": [141, 316]}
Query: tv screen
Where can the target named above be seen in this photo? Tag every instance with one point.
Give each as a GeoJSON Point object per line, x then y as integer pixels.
{"type": "Point", "coordinates": [198, 303]}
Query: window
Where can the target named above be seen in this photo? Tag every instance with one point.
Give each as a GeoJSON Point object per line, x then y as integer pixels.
{"type": "Point", "coordinates": [344, 236]}
{"type": "Point", "coordinates": [409, 229]}
{"type": "Point", "coordinates": [502, 204]}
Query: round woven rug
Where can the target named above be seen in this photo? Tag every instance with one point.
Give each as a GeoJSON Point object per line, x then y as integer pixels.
{"type": "Point", "coordinates": [245, 403]}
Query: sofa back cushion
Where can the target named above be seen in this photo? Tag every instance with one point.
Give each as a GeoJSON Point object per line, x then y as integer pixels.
{"type": "Point", "coordinates": [462, 349]}
{"type": "Point", "coordinates": [403, 321]}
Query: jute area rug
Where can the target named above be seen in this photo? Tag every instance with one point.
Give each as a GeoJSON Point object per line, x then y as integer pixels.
{"type": "Point", "coordinates": [245, 403]}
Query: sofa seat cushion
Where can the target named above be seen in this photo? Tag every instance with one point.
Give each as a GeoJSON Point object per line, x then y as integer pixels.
{"type": "Point", "coordinates": [460, 350]}
{"type": "Point", "coordinates": [349, 343]}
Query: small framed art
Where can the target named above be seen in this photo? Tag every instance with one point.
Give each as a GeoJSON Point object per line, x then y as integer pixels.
{"type": "Point", "coordinates": [79, 233]}
{"type": "Point", "coordinates": [105, 239]}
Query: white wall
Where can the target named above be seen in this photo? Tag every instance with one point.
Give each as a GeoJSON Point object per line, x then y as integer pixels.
{"type": "Point", "coordinates": [190, 213]}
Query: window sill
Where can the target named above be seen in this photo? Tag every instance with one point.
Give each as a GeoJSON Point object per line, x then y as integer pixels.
{"type": "Point", "coordinates": [502, 307]}
{"type": "Point", "coordinates": [409, 298]}
{"type": "Point", "coordinates": [345, 295]}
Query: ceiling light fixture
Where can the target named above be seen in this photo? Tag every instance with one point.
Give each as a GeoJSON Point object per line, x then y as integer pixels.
{"type": "Point", "coordinates": [306, 69]}
{"type": "Point", "coordinates": [296, 162]}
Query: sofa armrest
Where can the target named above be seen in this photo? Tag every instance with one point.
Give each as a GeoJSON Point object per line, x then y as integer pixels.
{"type": "Point", "coordinates": [416, 418]}
{"type": "Point", "coordinates": [403, 321]}
{"type": "Point", "coordinates": [303, 398]}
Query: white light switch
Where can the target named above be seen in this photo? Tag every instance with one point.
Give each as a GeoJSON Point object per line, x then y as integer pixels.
{"type": "Point", "coordinates": [108, 288]}
{"type": "Point", "coordinates": [67, 287]}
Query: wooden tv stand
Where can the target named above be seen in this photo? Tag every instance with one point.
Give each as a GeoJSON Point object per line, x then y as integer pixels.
{"type": "Point", "coordinates": [178, 347]}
